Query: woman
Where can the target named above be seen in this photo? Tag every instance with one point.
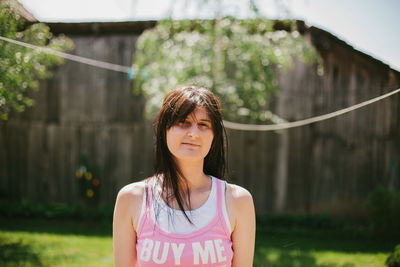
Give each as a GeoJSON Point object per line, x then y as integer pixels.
{"type": "Point", "coordinates": [184, 215]}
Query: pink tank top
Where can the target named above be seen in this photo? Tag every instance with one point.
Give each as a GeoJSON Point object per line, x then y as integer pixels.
{"type": "Point", "coordinates": [208, 246]}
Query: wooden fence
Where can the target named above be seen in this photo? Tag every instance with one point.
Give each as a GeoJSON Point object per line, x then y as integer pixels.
{"type": "Point", "coordinates": [327, 167]}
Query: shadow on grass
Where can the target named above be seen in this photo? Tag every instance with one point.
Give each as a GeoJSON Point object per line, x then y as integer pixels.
{"type": "Point", "coordinates": [57, 226]}
{"type": "Point", "coordinates": [319, 240]}
{"type": "Point", "coordinates": [289, 259]}
{"type": "Point", "coordinates": [18, 253]}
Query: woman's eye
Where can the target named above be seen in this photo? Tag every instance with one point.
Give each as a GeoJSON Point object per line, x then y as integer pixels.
{"type": "Point", "coordinates": [204, 125]}
{"type": "Point", "coordinates": [184, 123]}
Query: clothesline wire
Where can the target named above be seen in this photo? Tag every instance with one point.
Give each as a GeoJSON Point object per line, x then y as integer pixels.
{"type": "Point", "coordinates": [227, 124]}
{"type": "Point", "coordinates": [287, 125]}
{"type": "Point", "coordinates": [84, 60]}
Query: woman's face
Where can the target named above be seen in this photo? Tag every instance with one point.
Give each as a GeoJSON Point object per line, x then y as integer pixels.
{"type": "Point", "coordinates": [191, 138]}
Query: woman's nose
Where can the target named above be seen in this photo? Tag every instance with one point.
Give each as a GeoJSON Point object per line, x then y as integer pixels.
{"type": "Point", "coordinates": [193, 131]}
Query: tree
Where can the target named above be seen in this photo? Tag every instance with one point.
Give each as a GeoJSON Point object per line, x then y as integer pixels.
{"type": "Point", "coordinates": [237, 59]}
{"type": "Point", "coordinates": [21, 68]}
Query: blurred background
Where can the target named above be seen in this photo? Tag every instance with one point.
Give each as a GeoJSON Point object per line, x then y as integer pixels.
{"type": "Point", "coordinates": [74, 130]}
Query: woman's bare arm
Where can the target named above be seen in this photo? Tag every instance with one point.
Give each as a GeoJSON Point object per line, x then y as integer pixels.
{"type": "Point", "coordinates": [242, 211]}
{"type": "Point", "coordinates": [126, 213]}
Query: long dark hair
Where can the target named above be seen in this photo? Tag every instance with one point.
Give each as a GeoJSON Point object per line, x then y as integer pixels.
{"type": "Point", "coordinates": [177, 105]}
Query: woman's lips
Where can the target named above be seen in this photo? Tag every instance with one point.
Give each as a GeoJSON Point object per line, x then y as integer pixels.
{"type": "Point", "coordinates": [191, 144]}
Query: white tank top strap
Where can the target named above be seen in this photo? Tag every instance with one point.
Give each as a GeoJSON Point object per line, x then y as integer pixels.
{"type": "Point", "coordinates": [146, 201]}
{"type": "Point", "coordinates": [224, 208]}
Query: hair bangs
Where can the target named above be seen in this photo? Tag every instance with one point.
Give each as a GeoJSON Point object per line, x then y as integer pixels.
{"type": "Point", "coordinates": [183, 105]}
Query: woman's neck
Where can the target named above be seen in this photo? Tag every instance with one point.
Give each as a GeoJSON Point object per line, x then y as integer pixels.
{"type": "Point", "coordinates": [193, 172]}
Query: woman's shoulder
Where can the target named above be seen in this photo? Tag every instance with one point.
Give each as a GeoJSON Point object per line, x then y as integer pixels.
{"type": "Point", "coordinates": [132, 193]}
{"type": "Point", "coordinates": [238, 195]}
{"type": "Point", "coordinates": [238, 202]}
{"type": "Point", "coordinates": [129, 201]}
{"type": "Point", "coordinates": [128, 204]}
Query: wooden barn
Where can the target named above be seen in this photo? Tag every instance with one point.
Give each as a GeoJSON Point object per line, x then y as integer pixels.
{"type": "Point", "coordinates": [326, 167]}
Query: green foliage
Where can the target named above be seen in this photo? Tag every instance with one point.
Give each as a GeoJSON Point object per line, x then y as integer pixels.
{"type": "Point", "coordinates": [297, 221]}
{"type": "Point", "coordinates": [237, 59]}
{"type": "Point", "coordinates": [394, 258]}
{"type": "Point", "coordinates": [383, 208]}
{"type": "Point", "coordinates": [21, 68]}
{"type": "Point", "coordinates": [29, 210]}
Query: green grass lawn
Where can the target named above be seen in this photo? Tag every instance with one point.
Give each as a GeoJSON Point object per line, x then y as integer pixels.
{"type": "Point", "coordinates": [67, 243]}
{"type": "Point", "coordinates": [320, 248]}
{"type": "Point", "coordinates": [54, 243]}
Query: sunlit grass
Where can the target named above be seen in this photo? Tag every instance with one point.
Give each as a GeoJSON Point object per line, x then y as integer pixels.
{"type": "Point", "coordinates": [42, 249]}
{"type": "Point", "coordinates": [350, 259]}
